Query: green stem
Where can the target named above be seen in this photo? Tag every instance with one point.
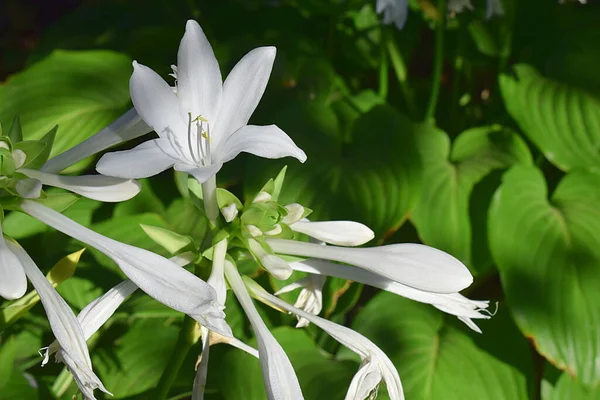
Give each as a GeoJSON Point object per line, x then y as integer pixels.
{"type": "Point", "coordinates": [400, 70]}
{"type": "Point", "coordinates": [384, 67]}
{"type": "Point", "coordinates": [438, 61]}
{"type": "Point", "coordinates": [187, 338]}
{"type": "Point", "coordinates": [209, 194]}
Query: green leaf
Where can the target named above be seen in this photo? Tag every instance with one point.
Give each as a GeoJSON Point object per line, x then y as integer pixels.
{"type": "Point", "coordinates": [437, 360]}
{"type": "Point", "coordinates": [171, 241]}
{"type": "Point", "coordinates": [16, 132]}
{"type": "Point", "coordinates": [548, 251]}
{"type": "Point", "coordinates": [13, 384]}
{"type": "Point", "coordinates": [442, 214]}
{"type": "Point", "coordinates": [144, 202]}
{"type": "Point", "coordinates": [562, 120]}
{"type": "Point", "coordinates": [372, 177]}
{"type": "Point", "coordinates": [565, 388]}
{"type": "Point", "coordinates": [82, 91]}
{"type": "Point", "coordinates": [184, 218]}
{"type": "Point", "coordinates": [319, 377]}
{"type": "Point", "coordinates": [48, 141]}
{"type": "Point", "coordinates": [31, 148]}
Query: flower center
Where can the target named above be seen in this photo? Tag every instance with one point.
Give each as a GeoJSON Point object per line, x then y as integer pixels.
{"type": "Point", "coordinates": [199, 141]}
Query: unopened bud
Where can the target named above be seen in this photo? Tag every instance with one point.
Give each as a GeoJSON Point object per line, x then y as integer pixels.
{"type": "Point", "coordinates": [262, 197]}
{"type": "Point", "coordinates": [19, 157]}
{"type": "Point", "coordinates": [275, 231]}
{"type": "Point", "coordinates": [295, 213]}
{"type": "Point", "coordinates": [229, 212]}
{"type": "Point", "coordinates": [254, 231]}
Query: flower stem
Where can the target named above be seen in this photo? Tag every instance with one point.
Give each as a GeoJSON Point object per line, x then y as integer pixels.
{"type": "Point", "coordinates": [384, 67]}
{"type": "Point", "coordinates": [400, 70]}
{"type": "Point", "coordinates": [187, 338]}
{"type": "Point", "coordinates": [209, 193]}
{"type": "Point", "coordinates": [438, 61]}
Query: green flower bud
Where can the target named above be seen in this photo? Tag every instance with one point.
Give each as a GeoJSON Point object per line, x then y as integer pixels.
{"type": "Point", "coordinates": [7, 162]}
{"type": "Point", "coordinates": [264, 216]}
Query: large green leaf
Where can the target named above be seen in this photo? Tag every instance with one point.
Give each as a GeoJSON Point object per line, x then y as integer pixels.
{"type": "Point", "coordinates": [548, 254]}
{"type": "Point", "coordinates": [13, 384]}
{"type": "Point", "coordinates": [437, 360]}
{"type": "Point", "coordinates": [562, 120]}
{"type": "Point", "coordinates": [565, 388]}
{"type": "Point", "coordinates": [372, 177]}
{"type": "Point", "coordinates": [319, 377]}
{"type": "Point", "coordinates": [82, 92]}
{"type": "Point", "coordinates": [442, 214]}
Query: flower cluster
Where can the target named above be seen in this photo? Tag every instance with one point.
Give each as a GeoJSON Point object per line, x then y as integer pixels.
{"type": "Point", "coordinates": [201, 123]}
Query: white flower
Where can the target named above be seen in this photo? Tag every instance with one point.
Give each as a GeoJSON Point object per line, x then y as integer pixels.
{"type": "Point", "coordinates": [342, 233]}
{"type": "Point", "coordinates": [202, 124]}
{"type": "Point", "coordinates": [63, 323]}
{"type": "Point", "coordinates": [375, 367]}
{"type": "Point", "coordinates": [459, 6]}
{"type": "Point", "coordinates": [451, 303]}
{"type": "Point", "coordinates": [394, 11]}
{"type": "Point", "coordinates": [158, 277]}
{"type": "Point", "coordinates": [494, 7]}
{"type": "Point", "coordinates": [279, 377]}
{"type": "Point", "coordinates": [414, 265]}
{"type": "Point", "coordinates": [310, 298]}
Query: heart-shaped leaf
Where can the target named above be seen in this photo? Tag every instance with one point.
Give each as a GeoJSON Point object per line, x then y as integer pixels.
{"type": "Point", "coordinates": [548, 254]}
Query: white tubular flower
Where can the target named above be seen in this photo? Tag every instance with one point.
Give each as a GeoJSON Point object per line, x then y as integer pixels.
{"type": "Point", "coordinates": [276, 266]}
{"type": "Point", "coordinates": [375, 367]}
{"type": "Point", "coordinates": [64, 325]}
{"type": "Point", "coordinates": [494, 7]}
{"type": "Point", "coordinates": [158, 277]}
{"type": "Point", "coordinates": [13, 282]}
{"type": "Point", "coordinates": [128, 126]}
{"type": "Point", "coordinates": [279, 377]}
{"type": "Point", "coordinates": [310, 298]}
{"type": "Point", "coordinates": [394, 11]}
{"type": "Point", "coordinates": [451, 303]}
{"type": "Point", "coordinates": [204, 123]}
{"type": "Point", "coordinates": [414, 265]}
{"type": "Point", "coordinates": [341, 233]}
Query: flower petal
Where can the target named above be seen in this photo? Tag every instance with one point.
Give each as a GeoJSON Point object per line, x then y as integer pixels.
{"type": "Point", "coordinates": [158, 277]}
{"type": "Point", "coordinates": [342, 233]}
{"type": "Point", "coordinates": [453, 303]}
{"type": "Point", "coordinates": [29, 188]}
{"type": "Point", "coordinates": [199, 82]}
{"type": "Point", "coordinates": [96, 187]}
{"type": "Point", "coordinates": [242, 91]}
{"type": "Point", "coordinates": [156, 103]}
{"type": "Point", "coordinates": [263, 141]}
{"type": "Point", "coordinates": [201, 374]}
{"type": "Point", "coordinates": [65, 326]}
{"type": "Point", "coordinates": [365, 381]}
{"type": "Point", "coordinates": [279, 377]}
{"type": "Point", "coordinates": [276, 266]}
{"type": "Point", "coordinates": [143, 161]}
{"type": "Point", "coordinates": [128, 126]}
{"type": "Point", "coordinates": [418, 266]}
{"type": "Point", "coordinates": [13, 283]}
{"type": "Point", "coordinates": [202, 174]}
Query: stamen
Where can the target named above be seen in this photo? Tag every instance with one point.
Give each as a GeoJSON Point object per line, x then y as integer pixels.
{"type": "Point", "coordinates": [190, 137]}
{"type": "Point", "coordinates": [199, 140]}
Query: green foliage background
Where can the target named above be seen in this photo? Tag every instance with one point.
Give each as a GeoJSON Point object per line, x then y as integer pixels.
{"type": "Point", "coordinates": [505, 177]}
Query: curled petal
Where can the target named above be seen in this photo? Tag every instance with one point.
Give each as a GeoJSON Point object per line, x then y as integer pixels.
{"type": "Point", "coordinates": [13, 283]}
{"type": "Point", "coordinates": [97, 187]}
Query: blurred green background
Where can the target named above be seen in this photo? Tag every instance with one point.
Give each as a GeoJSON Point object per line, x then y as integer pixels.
{"type": "Point", "coordinates": [504, 175]}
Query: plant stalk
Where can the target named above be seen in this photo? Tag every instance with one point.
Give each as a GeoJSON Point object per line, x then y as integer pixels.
{"type": "Point", "coordinates": [438, 61]}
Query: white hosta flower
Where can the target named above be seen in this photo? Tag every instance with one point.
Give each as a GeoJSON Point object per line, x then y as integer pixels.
{"type": "Point", "coordinates": [310, 298]}
{"type": "Point", "coordinates": [64, 325]}
{"type": "Point", "coordinates": [295, 213]}
{"type": "Point", "coordinates": [202, 124]}
{"type": "Point", "coordinates": [451, 303]}
{"type": "Point", "coordinates": [414, 265]}
{"type": "Point", "coordinates": [13, 281]}
{"type": "Point", "coordinates": [394, 11]}
{"type": "Point", "coordinates": [458, 6]}
{"type": "Point", "coordinates": [276, 266]}
{"type": "Point", "coordinates": [342, 233]}
{"type": "Point", "coordinates": [375, 366]}
{"type": "Point", "coordinates": [494, 7]}
{"type": "Point", "coordinates": [158, 277]}
{"type": "Point", "coordinates": [229, 212]}
{"type": "Point", "coordinates": [279, 377]}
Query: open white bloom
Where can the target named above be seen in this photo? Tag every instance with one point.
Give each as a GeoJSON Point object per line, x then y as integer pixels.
{"type": "Point", "coordinates": [203, 123]}
{"type": "Point", "coordinates": [279, 377]}
{"type": "Point", "coordinates": [63, 323]}
{"type": "Point", "coordinates": [158, 277]}
{"type": "Point", "coordinates": [375, 367]}
{"type": "Point", "coordinates": [394, 11]}
{"type": "Point", "coordinates": [310, 298]}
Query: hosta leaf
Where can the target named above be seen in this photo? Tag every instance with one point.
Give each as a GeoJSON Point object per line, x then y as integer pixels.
{"type": "Point", "coordinates": [562, 120]}
{"type": "Point", "coordinates": [547, 249]}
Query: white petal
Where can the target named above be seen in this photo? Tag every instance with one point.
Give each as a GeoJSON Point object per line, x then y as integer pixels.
{"type": "Point", "coordinates": [128, 126]}
{"type": "Point", "coordinates": [356, 342]}
{"type": "Point", "coordinates": [13, 283]}
{"type": "Point", "coordinates": [229, 212]}
{"type": "Point", "coordinates": [494, 7]}
{"type": "Point", "coordinates": [276, 266]}
{"type": "Point", "coordinates": [96, 187]}
{"type": "Point", "coordinates": [199, 82]}
{"type": "Point", "coordinates": [295, 213]}
{"type": "Point", "coordinates": [158, 277]}
{"type": "Point", "coordinates": [144, 160]}
{"type": "Point", "coordinates": [202, 174]}
{"type": "Point", "coordinates": [414, 265]}
{"type": "Point", "coordinates": [156, 103]}
{"type": "Point", "coordinates": [310, 298]}
{"type": "Point", "coordinates": [201, 374]}
{"type": "Point", "coordinates": [342, 233]}
{"type": "Point", "coordinates": [242, 92]}
{"type": "Point", "coordinates": [217, 274]}
{"type": "Point", "coordinates": [365, 381]}
{"type": "Point", "coordinates": [29, 188]}
{"type": "Point", "coordinates": [65, 326]}
{"type": "Point", "coordinates": [279, 377]}
{"type": "Point", "coordinates": [19, 158]}
{"type": "Point", "coordinates": [452, 303]}
{"type": "Point", "coordinates": [263, 141]}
